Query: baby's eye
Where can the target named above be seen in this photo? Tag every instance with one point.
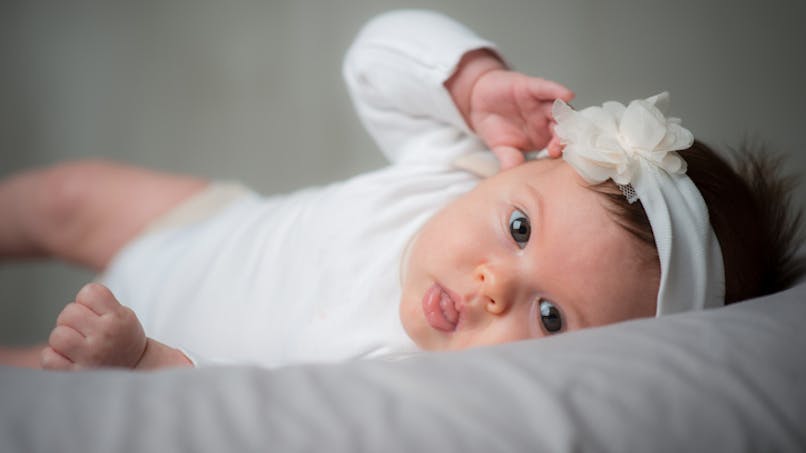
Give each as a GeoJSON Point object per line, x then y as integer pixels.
{"type": "Point", "coordinates": [519, 228]}
{"type": "Point", "coordinates": [550, 317]}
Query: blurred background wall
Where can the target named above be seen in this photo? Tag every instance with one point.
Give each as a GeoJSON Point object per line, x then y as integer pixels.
{"type": "Point", "coordinates": [251, 90]}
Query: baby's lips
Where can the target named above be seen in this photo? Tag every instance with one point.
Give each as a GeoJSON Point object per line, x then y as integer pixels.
{"type": "Point", "coordinates": [449, 309]}
{"type": "Point", "coordinates": [440, 309]}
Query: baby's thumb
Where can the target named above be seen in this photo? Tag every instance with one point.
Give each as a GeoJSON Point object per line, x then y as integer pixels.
{"type": "Point", "coordinates": [508, 156]}
{"type": "Point", "coordinates": [555, 147]}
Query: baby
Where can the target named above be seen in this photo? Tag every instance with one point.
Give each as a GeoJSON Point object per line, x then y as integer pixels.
{"type": "Point", "coordinates": [426, 254]}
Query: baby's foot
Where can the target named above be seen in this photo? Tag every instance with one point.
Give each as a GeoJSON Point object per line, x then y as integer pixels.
{"type": "Point", "coordinates": [94, 331]}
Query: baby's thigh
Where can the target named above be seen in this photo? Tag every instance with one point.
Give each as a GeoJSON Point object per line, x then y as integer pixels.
{"type": "Point", "coordinates": [108, 204]}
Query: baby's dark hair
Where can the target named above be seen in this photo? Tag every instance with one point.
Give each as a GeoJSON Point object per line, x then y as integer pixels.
{"type": "Point", "coordinates": [750, 209]}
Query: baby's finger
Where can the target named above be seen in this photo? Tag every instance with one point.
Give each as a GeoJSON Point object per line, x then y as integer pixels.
{"type": "Point", "coordinates": [555, 148]}
{"type": "Point", "coordinates": [548, 90]}
{"type": "Point", "coordinates": [97, 298]}
{"type": "Point", "coordinates": [79, 317]}
{"type": "Point", "coordinates": [52, 360]}
{"type": "Point", "coordinates": [66, 341]}
{"type": "Point", "coordinates": [508, 156]}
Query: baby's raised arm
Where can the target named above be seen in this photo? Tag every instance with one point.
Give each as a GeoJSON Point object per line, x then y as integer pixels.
{"type": "Point", "coordinates": [422, 82]}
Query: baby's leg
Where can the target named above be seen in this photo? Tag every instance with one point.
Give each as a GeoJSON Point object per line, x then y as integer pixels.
{"type": "Point", "coordinates": [25, 357]}
{"type": "Point", "coordinates": [84, 212]}
{"type": "Point", "coordinates": [97, 331]}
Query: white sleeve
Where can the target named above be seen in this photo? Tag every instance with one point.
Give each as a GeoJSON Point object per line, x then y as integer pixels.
{"type": "Point", "coordinates": [395, 71]}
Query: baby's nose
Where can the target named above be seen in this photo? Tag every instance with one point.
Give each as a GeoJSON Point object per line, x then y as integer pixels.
{"type": "Point", "coordinates": [496, 287]}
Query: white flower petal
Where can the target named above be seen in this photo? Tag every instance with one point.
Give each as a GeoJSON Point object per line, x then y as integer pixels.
{"type": "Point", "coordinates": [611, 141]}
{"type": "Point", "coordinates": [624, 177]}
{"type": "Point", "coordinates": [603, 119]}
{"type": "Point", "coordinates": [610, 145]}
{"type": "Point", "coordinates": [660, 101]}
{"type": "Point", "coordinates": [642, 126]}
{"type": "Point", "coordinates": [571, 126]}
{"type": "Point", "coordinates": [615, 108]}
{"type": "Point", "coordinates": [673, 163]}
{"type": "Point", "coordinates": [590, 171]}
{"type": "Point", "coordinates": [677, 138]}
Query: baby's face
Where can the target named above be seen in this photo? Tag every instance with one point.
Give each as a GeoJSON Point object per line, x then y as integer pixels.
{"type": "Point", "coordinates": [529, 252]}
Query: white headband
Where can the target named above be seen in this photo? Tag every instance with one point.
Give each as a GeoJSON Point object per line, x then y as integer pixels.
{"type": "Point", "coordinates": [636, 146]}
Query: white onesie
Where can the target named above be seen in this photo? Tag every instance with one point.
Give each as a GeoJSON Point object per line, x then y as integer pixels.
{"type": "Point", "coordinates": [315, 275]}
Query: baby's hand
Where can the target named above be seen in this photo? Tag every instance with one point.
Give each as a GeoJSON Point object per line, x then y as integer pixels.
{"type": "Point", "coordinates": [511, 113]}
{"type": "Point", "coordinates": [94, 331]}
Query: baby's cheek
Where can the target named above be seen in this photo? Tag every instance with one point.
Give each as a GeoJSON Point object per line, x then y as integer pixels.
{"type": "Point", "coordinates": [520, 330]}
{"type": "Point", "coordinates": [515, 329]}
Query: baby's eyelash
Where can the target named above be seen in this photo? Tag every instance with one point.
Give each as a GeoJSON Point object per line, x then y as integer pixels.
{"type": "Point", "coordinates": [545, 318]}
{"type": "Point", "coordinates": [519, 227]}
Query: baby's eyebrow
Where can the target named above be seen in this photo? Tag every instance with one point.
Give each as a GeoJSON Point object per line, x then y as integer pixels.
{"type": "Point", "coordinates": [538, 205]}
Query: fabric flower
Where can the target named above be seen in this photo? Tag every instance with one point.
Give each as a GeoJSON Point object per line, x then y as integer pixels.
{"type": "Point", "coordinates": [610, 141]}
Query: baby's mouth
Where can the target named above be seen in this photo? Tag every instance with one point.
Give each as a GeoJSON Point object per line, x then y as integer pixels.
{"type": "Point", "coordinates": [440, 309]}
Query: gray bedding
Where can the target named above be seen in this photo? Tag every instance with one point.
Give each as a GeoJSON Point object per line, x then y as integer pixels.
{"type": "Point", "coordinates": [731, 379]}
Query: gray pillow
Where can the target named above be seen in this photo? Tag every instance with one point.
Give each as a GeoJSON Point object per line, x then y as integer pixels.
{"type": "Point", "coordinates": [731, 379]}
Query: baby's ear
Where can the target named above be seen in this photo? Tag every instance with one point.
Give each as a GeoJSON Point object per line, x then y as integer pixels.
{"type": "Point", "coordinates": [480, 163]}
